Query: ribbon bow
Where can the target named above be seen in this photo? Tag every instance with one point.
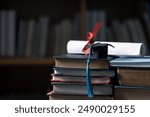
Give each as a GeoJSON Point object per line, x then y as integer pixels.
{"type": "Point", "coordinates": [90, 38]}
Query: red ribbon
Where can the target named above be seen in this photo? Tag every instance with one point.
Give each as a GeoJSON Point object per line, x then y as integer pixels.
{"type": "Point", "coordinates": [90, 38]}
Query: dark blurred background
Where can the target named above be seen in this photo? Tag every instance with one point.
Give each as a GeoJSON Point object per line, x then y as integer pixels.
{"type": "Point", "coordinates": [33, 31]}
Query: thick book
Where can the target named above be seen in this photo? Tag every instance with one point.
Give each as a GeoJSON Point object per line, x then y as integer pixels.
{"type": "Point", "coordinates": [134, 76]}
{"type": "Point", "coordinates": [82, 72]}
{"type": "Point", "coordinates": [80, 88]}
{"type": "Point", "coordinates": [134, 71]}
{"type": "Point", "coordinates": [80, 61]}
{"type": "Point", "coordinates": [77, 97]}
{"type": "Point", "coordinates": [131, 93]}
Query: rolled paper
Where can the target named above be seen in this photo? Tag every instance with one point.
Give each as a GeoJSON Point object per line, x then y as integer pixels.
{"type": "Point", "coordinates": [120, 48]}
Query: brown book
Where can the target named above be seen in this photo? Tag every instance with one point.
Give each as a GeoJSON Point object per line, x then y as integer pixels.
{"type": "Point", "coordinates": [131, 93]}
{"type": "Point", "coordinates": [134, 76]}
{"type": "Point", "coordinates": [81, 88]}
{"type": "Point", "coordinates": [79, 61]}
{"type": "Point", "coordinates": [77, 97]}
{"type": "Point", "coordinates": [80, 79]}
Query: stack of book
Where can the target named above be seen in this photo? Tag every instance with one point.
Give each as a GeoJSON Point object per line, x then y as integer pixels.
{"type": "Point", "coordinates": [69, 78]}
{"type": "Point", "coordinates": [133, 76]}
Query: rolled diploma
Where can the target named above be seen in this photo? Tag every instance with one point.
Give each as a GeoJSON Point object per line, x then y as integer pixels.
{"type": "Point", "coordinates": [121, 48]}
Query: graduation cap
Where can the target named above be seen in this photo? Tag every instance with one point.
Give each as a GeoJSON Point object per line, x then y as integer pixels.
{"type": "Point", "coordinates": [100, 50]}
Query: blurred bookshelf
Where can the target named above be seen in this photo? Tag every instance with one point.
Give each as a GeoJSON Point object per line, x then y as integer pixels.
{"type": "Point", "coordinates": [43, 31]}
{"type": "Point", "coordinates": [32, 32]}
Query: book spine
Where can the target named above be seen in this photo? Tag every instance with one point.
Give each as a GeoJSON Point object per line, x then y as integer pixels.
{"type": "Point", "coordinates": [3, 41]}
{"type": "Point", "coordinates": [11, 34]}
{"type": "Point", "coordinates": [44, 36]}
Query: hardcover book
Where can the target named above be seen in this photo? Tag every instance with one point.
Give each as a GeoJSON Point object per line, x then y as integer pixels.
{"type": "Point", "coordinates": [141, 61]}
{"type": "Point", "coordinates": [80, 88]}
{"type": "Point", "coordinates": [80, 79]}
{"type": "Point", "coordinates": [77, 97]}
{"type": "Point", "coordinates": [134, 76]}
{"type": "Point", "coordinates": [133, 71]}
{"type": "Point", "coordinates": [131, 93]}
{"type": "Point", "coordinates": [79, 61]}
{"type": "Point", "coordinates": [82, 72]}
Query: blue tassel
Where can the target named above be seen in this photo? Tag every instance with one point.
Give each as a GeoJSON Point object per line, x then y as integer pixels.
{"type": "Point", "coordinates": [88, 78]}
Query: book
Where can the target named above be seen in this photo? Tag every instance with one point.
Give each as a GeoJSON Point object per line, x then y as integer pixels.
{"type": "Point", "coordinates": [117, 31]}
{"type": "Point", "coordinates": [30, 38]}
{"type": "Point", "coordinates": [43, 35]}
{"type": "Point", "coordinates": [80, 79]}
{"type": "Point", "coordinates": [120, 31]}
{"type": "Point", "coordinates": [101, 76]}
{"type": "Point", "coordinates": [132, 30]}
{"type": "Point", "coordinates": [77, 97]}
{"type": "Point", "coordinates": [3, 33]}
{"type": "Point", "coordinates": [11, 33]}
{"type": "Point", "coordinates": [82, 72]}
{"type": "Point", "coordinates": [57, 41]}
{"type": "Point", "coordinates": [21, 38]}
{"type": "Point", "coordinates": [80, 88]}
{"type": "Point", "coordinates": [101, 16]}
{"type": "Point", "coordinates": [134, 76]}
{"type": "Point", "coordinates": [132, 71]}
{"type": "Point", "coordinates": [146, 24]}
{"type": "Point", "coordinates": [79, 61]}
{"type": "Point", "coordinates": [131, 62]}
{"type": "Point", "coordinates": [36, 39]}
{"type": "Point", "coordinates": [141, 35]}
{"type": "Point", "coordinates": [63, 30]}
{"type": "Point", "coordinates": [131, 93]}
{"type": "Point", "coordinates": [120, 48]}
